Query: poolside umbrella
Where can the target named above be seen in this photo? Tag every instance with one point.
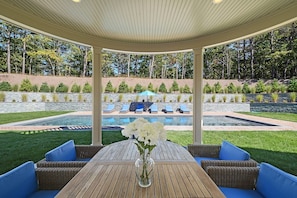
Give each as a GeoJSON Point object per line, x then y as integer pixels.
{"type": "Point", "coordinates": [147, 93]}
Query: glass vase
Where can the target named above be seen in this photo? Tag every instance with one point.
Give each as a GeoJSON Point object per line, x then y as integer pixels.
{"type": "Point", "coordinates": [144, 167]}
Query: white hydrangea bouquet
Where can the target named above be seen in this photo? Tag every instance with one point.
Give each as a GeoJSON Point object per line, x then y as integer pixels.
{"type": "Point", "coordinates": [146, 135]}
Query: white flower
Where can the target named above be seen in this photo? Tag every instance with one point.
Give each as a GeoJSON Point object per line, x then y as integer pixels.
{"type": "Point", "coordinates": [144, 131]}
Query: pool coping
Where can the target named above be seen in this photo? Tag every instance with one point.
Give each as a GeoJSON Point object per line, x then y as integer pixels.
{"type": "Point", "coordinates": [281, 125]}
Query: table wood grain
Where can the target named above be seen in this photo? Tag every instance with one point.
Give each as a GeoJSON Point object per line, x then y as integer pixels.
{"type": "Point", "coordinates": [111, 173]}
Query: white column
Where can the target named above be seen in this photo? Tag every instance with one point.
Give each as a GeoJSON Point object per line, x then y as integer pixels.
{"type": "Point", "coordinates": [97, 79]}
{"type": "Point", "coordinates": [198, 96]}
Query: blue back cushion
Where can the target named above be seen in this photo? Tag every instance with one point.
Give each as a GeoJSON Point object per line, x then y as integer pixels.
{"type": "Point", "coordinates": [64, 152]}
{"type": "Point", "coordinates": [229, 151]}
{"type": "Point", "coordinates": [274, 183]}
{"type": "Point", "coordinates": [19, 182]}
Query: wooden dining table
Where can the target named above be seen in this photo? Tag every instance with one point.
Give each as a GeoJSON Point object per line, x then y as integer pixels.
{"type": "Point", "coordinates": [111, 173]}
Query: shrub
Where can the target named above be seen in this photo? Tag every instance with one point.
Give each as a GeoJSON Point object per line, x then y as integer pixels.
{"type": "Point", "coordinates": [274, 97]}
{"type": "Point", "coordinates": [283, 88]}
{"type": "Point", "coordinates": [75, 88]}
{"type": "Point", "coordinates": [162, 88]}
{"type": "Point", "coordinates": [24, 98]}
{"type": "Point", "coordinates": [224, 98]}
{"type": "Point", "coordinates": [260, 87]}
{"type": "Point", "coordinates": [43, 98]}
{"type": "Point", "coordinates": [225, 90]}
{"type": "Point", "coordinates": [123, 88]}
{"type": "Point", "coordinates": [190, 98]}
{"type": "Point", "coordinates": [44, 88]}
{"type": "Point", "coordinates": [293, 96]}
{"type": "Point", "coordinates": [66, 98]}
{"type": "Point", "coordinates": [174, 86]}
{"type": "Point", "coordinates": [35, 88]}
{"type": "Point", "coordinates": [87, 88]}
{"type": "Point", "coordinates": [207, 88]}
{"type": "Point", "coordinates": [108, 88]}
{"type": "Point", "coordinates": [259, 98]}
{"type": "Point", "coordinates": [52, 88]}
{"type": "Point", "coordinates": [164, 98]}
{"type": "Point", "coordinates": [150, 87]}
{"type": "Point", "coordinates": [231, 88]}
{"type": "Point", "coordinates": [178, 98]}
{"type": "Point", "coordinates": [253, 90]}
{"type": "Point", "coordinates": [15, 88]}
{"type": "Point", "coordinates": [292, 87]}
{"type": "Point", "coordinates": [2, 97]}
{"type": "Point", "coordinates": [80, 98]}
{"type": "Point", "coordinates": [151, 98]}
{"type": "Point", "coordinates": [55, 98]}
{"type": "Point", "coordinates": [236, 99]}
{"type": "Point", "coordinates": [137, 88]}
{"type": "Point", "coordinates": [238, 89]}
{"type": "Point", "coordinates": [217, 87]}
{"type": "Point", "coordinates": [268, 89]}
{"type": "Point", "coordinates": [275, 86]}
{"type": "Point", "coordinates": [213, 98]}
{"type": "Point", "coordinates": [62, 88]}
{"type": "Point", "coordinates": [120, 97]}
{"type": "Point", "coordinates": [245, 88]}
{"type": "Point", "coordinates": [186, 89]}
{"type": "Point", "coordinates": [243, 98]}
{"type": "Point", "coordinates": [26, 85]}
{"type": "Point", "coordinates": [5, 86]}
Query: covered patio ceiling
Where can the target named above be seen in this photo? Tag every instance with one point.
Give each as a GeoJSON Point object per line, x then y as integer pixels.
{"type": "Point", "coordinates": [149, 25]}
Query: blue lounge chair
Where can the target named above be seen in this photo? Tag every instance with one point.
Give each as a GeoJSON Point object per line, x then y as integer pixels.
{"type": "Point", "coordinates": [168, 109]}
{"type": "Point", "coordinates": [153, 108]}
{"type": "Point", "coordinates": [110, 108]}
{"type": "Point", "coordinates": [139, 108]}
{"type": "Point", "coordinates": [125, 108]}
{"type": "Point", "coordinates": [184, 109]}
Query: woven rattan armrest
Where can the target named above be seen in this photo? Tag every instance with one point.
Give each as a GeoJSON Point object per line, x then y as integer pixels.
{"type": "Point", "coordinates": [241, 163]}
{"type": "Point", "coordinates": [234, 177]}
{"type": "Point", "coordinates": [204, 150]}
{"type": "Point", "coordinates": [54, 178]}
{"type": "Point", "coordinates": [44, 163]}
{"type": "Point", "coordinates": [86, 151]}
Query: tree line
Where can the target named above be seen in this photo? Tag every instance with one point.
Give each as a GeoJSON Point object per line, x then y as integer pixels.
{"type": "Point", "coordinates": [272, 55]}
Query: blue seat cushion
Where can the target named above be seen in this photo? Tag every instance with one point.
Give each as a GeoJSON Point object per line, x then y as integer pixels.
{"type": "Point", "coordinates": [19, 182]}
{"type": "Point", "coordinates": [273, 182]}
{"type": "Point", "coordinates": [44, 194]}
{"type": "Point", "coordinates": [229, 151]}
{"type": "Point", "coordinates": [64, 152]}
{"type": "Point", "coordinates": [199, 159]}
{"type": "Point", "coordinates": [240, 193]}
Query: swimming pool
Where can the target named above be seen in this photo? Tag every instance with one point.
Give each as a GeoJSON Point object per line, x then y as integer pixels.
{"type": "Point", "coordinates": [121, 120]}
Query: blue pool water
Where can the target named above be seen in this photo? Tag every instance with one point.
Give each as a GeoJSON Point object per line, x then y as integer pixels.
{"type": "Point", "coordinates": [86, 120]}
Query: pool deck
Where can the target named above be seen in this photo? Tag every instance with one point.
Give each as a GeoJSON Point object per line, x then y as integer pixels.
{"type": "Point", "coordinates": [281, 125]}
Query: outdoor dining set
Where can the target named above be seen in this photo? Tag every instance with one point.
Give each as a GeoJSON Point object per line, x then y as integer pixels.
{"type": "Point", "coordinates": [71, 170]}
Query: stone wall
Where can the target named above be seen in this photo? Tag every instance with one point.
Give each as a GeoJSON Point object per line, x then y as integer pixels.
{"type": "Point", "coordinates": [274, 107]}
{"type": "Point", "coordinates": [83, 102]}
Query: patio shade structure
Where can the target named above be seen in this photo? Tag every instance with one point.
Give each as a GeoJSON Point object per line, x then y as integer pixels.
{"type": "Point", "coordinates": [154, 26]}
{"type": "Point", "coordinates": [147, 93]}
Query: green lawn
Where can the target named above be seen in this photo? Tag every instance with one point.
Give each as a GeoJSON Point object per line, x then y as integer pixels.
{"type": "Point", "coordinates": [17, 117]}
{"type": "Point", "coordinates": [278, 148]}
{"type": "Point", "coordinates": [292, 117]}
